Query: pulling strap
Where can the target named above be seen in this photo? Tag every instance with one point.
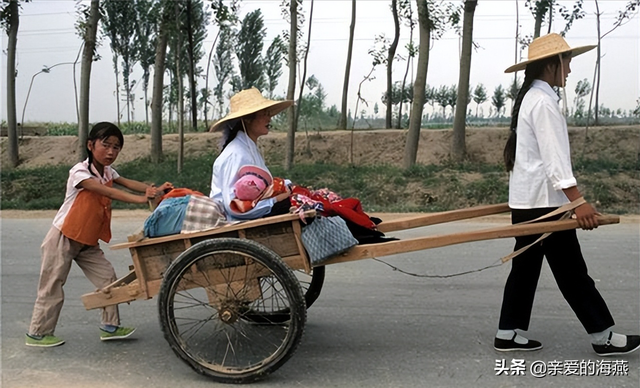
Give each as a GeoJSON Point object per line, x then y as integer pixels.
{"type": "Point", "coordinates": [567, 209]}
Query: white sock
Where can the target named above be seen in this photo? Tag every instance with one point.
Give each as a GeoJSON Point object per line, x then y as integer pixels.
{"type": "Point", "coordinates": [509, 334]}
{"type": "Point", "coordinates": [617, 340]}
{"type": "Point", "coordinates": [505, 334]}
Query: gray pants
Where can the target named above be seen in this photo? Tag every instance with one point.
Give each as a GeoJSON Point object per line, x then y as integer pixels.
{"type": "Point", "coordinates": [57, 254]}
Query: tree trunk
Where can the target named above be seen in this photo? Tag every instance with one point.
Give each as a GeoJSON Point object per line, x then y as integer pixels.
{"type": "Point", "coordinates": [291, 89]}
{"type": "Point", "coordinates": [404, 80]}
{"type": "Point", "coordinates": [413, 134]}
{"type": "Point", "coordinates": [392, 54]}
{"type": "Point", "coordinates": [156, 98]}
{"type": "Point", "coordinates": [206, 83]}
{"type": "Point", "coordinates": [598, 62]}
{"type": "Point", "coordinates": [538, 22]}
{"type": "Point", "coordinates": [180, 107]}
{"type": "Point", "coordinates": [146, 99]}
{"type": "Point", "coordinates": [115, 68]}
{"type": "Point", "coordinates": [342, 121]}
{"type": "Point", "coordinates": [12, 120]}
{"type": "Point", "coordinates": [458, 149]}
{"type": "Point", "coordinates": [180, 118]}
{"type": "Point", "coordinates": [85, 77]}
{"type": "Point", "coordinates": [191, 71]}
{"type": "Point", "coordinates": [304, 65]}
{"type": "Point", "coordinates": [516, 50]}
{"type": "Point", "coordinates": [127, 89]}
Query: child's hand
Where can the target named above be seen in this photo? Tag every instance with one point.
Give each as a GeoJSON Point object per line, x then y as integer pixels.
{"type": "Point", "coordinates": [165, 187]}
{"type": "Point", "coordinates": [151, 192]}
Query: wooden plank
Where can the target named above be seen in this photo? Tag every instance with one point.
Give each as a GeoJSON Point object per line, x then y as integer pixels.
{"type": "Point", "coordinates": [154, 259]}
{"type": "Point", "coordinates": [126, 279]}
{"type": "Point", "coordinates": [438, 218]}
{"type": "Point", "coordinates": [116, 295]}
{"type": "Point", "coordinates": [278, 237]}
{"type": "Point", "coordinates": [214, 277]}
{"type": "Point", "coordinates": [368, 251]}
{"type": "Point", "coordinates": [297, 233]}
{"type": "Point", "coordinates": [297, 262]}
{"type": "Point", "coordinates": [212, 232]}
{"type": "Point", "coordinates": [140, 271]}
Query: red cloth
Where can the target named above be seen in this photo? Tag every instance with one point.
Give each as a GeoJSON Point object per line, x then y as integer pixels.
{"type": "Point", "coordinates": [347, 208]}
{"type": "Point", "coordinates": [180, 192]}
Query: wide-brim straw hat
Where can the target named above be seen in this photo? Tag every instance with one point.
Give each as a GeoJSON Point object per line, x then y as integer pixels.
{"type": "Point", "coordinates": [548, 46]}
{"type": "Point", "coordinates": [249, 101]}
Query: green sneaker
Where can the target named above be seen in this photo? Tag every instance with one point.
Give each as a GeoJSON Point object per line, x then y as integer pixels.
{"type": "Point", "coordinates": [119, 333]}
{"type": "Point", "coordinates": [43, 341]}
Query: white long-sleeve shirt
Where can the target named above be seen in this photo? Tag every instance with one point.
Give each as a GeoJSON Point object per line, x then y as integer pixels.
{"type": "Point", "coordinates": [239, 152]}
{"type": "Point", "coordinates": [542, 168]}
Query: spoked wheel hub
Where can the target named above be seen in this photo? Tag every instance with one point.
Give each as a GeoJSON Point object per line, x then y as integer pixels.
{"type": "Point", "coordinates": [228, 314]}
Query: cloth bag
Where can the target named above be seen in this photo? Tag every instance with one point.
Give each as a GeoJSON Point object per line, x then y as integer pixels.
{"type": "Point", "coordinates": [326, 237]}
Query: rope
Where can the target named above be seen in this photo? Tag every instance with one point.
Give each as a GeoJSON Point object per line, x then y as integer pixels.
{"type": "Point", "coordinates": [496, 264]}
{"type": "Point", "coordinates": [566, 209]}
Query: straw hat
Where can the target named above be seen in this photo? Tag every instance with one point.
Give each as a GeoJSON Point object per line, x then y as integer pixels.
{"type": "Point", "coordinates": [250, 101]}
{"type": "Point", "coordinates": [548, 46]}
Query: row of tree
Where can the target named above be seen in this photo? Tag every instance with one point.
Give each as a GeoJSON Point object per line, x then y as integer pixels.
{"type": "Point", "coordinates": [166, 37]}
{"type": "Point", "coordinates": [447, 96]}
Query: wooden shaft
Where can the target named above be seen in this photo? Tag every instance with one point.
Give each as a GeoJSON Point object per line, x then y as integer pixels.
{"type": "Point", "coordinates": [368, 251]}
{"type": "Point", "coordinates": [438, 218]}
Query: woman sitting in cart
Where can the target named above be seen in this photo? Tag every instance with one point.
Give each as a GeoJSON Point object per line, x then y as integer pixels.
{"type": "Point", "coordinates": [538, 158]}
{"type": "Point", "coordinates": [249, 118]}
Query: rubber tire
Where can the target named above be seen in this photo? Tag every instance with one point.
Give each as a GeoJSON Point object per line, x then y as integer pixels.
{"type": "Point", "coordinates": [312, 292]}
{"type": "Point", "coordinates": [279, 270]}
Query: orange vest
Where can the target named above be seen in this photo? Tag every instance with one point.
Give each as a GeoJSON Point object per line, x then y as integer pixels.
{"type": "Point", "coordinates": [89, 218]}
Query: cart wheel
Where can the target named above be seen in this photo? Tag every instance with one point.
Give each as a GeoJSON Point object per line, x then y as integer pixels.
{"type": "Point", "coordinates": [311, 284]}
{"type": "Point", "coordinates": [203, 300]}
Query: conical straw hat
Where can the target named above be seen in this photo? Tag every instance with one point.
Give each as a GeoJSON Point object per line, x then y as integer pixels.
{"type": "Point", "coordinates": [250, 101]}
{"type": "Point", "coordinates": [548, 46]}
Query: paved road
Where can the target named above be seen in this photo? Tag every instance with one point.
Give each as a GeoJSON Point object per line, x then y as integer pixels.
{"type": "Point", "coordinates": [371, 327]}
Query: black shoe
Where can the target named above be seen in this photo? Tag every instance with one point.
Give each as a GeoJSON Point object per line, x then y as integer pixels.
{"type": "Point", "coordinates": [511, 345]}
{"type": "Point", "coordinates": [633, 343]}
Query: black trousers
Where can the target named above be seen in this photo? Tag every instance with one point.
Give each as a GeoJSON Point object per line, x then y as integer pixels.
{"type": "Point", "coordinates": [564, 256]}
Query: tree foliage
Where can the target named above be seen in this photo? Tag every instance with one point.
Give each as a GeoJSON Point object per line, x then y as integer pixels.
{"type": "Point", "coordinates": [250, 41]}
{"type": "Point", "coordinates": [498, 99]}
{"type": "Point", "coordinates": [583, 88]}
{"type": "Point", "coordinates": [273, 64]}
{"type": "Point", "coordinates": [224, 16]}
{"type": "Point", "coordinates": [223, 64]}
{"type": "Point", "coordinates": [479, 96]}
{"type": "Point", "coordinates": [119, 24]}
{"type": "Point", "coordinates": [146, 35]}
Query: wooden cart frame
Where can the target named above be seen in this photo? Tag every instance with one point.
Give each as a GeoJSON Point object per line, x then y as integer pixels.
{"type": "Point", "coordinates": [232, 300]}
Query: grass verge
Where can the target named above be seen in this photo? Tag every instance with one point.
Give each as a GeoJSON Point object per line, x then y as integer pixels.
{"type": "Point", "coordinates": [614, 188]}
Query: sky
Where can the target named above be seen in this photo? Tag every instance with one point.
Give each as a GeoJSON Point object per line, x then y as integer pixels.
{"type": "Point", "coordinates": [47, 37]}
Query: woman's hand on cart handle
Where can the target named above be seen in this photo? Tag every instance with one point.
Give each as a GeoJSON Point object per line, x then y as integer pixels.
{"type": "Point", "coordinates": [585, 214]}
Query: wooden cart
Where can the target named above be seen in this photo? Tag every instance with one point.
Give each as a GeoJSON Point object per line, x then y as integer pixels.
{"type": "Point", "coordinates": [232, 300]}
